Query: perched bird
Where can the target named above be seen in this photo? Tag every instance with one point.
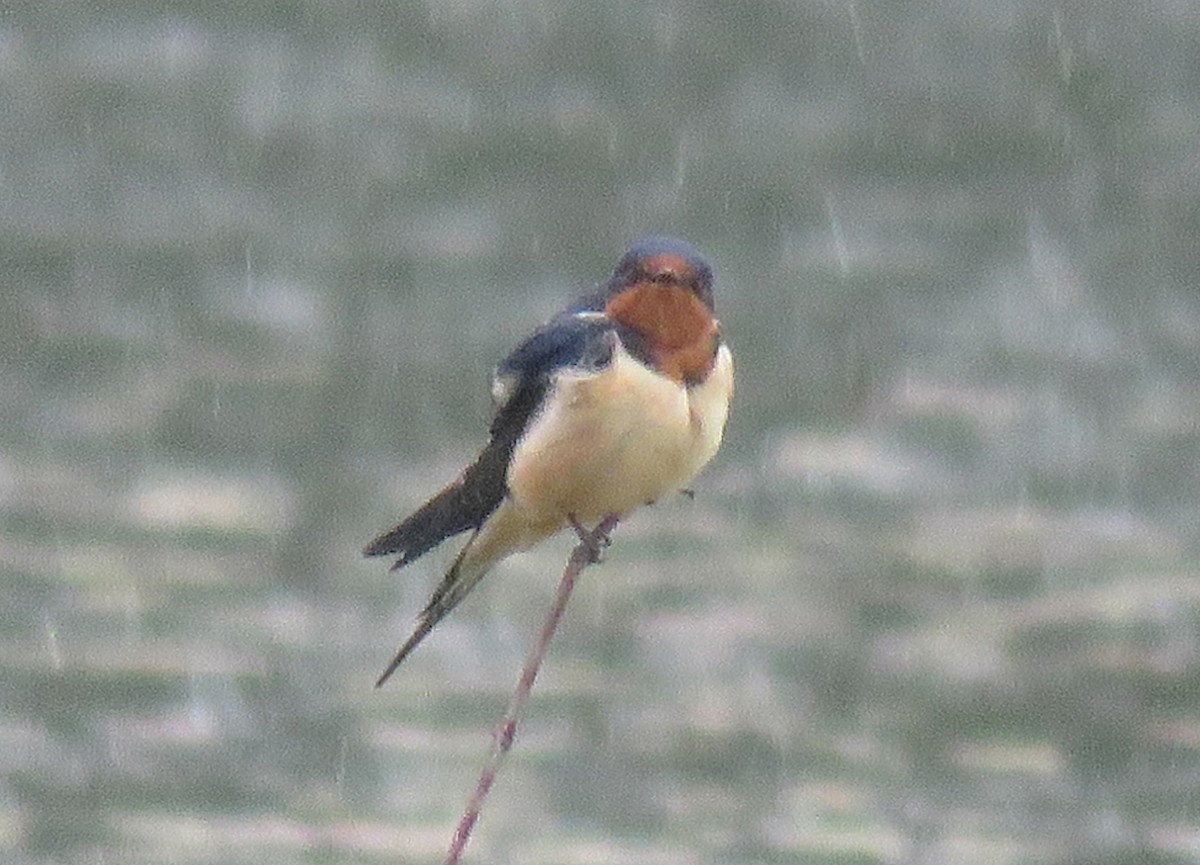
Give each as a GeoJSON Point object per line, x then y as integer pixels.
{"type": "Point", "coordinates": [617, 401]}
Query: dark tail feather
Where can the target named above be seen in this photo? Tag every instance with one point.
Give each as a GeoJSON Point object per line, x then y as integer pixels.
{"type": "Point", "coordinates": [451, 590]}
{"type": "Point", "coordinates": [460, 507]}
{"type": "Point", "coordinates": [424, 626]}
{"type": "Point", "coordinates": [456, 509]}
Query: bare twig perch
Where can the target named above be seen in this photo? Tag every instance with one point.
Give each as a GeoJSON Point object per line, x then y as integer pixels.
{"type": "Point", "coordinates": [587, 552]}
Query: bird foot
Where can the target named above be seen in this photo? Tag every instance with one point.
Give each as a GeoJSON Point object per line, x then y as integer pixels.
{"type": "Point", "coordinates": [596, 541]}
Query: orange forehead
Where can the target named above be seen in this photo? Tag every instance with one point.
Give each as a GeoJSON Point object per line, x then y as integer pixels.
{"type": "Point", "coordinates": [679, 328]}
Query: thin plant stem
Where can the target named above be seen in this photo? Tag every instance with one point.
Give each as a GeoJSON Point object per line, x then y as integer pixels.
{"type": "Point", "coordinates": [586, 552]}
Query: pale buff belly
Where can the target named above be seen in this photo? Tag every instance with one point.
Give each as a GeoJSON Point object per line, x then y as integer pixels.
{"type": "Point", "coordinates": [609, 442]}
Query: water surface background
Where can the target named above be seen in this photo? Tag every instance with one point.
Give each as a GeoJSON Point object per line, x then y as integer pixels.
{"type": "Point", "coordinates": [936, 601]}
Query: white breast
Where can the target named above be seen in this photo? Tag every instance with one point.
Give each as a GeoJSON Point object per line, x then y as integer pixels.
{"type": "Point", "coordinates": [609, 441]}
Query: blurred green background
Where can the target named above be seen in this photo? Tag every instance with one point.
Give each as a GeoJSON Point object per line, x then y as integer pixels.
{"type": "Point", "coordinates": [936, 601]}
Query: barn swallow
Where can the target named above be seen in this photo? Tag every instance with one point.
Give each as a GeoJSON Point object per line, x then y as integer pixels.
{"type": "Point", "coordinates": [616, 401]}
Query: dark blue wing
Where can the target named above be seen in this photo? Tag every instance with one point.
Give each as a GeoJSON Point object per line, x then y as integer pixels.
{"type": "Point", "coordinates": [574, 340]}
{"type": "Point", "coordinates": [522, 380]}
{"type": "Point", "coordinates": [582, 341]}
